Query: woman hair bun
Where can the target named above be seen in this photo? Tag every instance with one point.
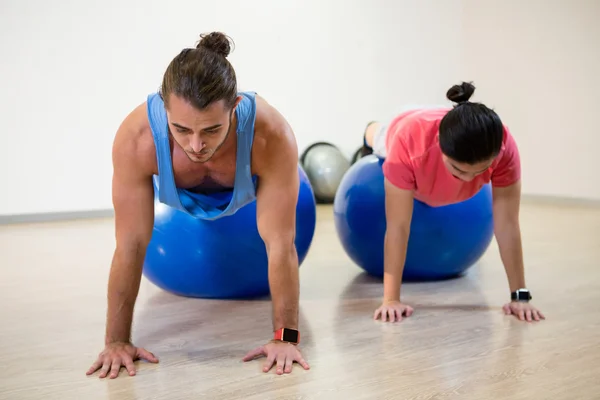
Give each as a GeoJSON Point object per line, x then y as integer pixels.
{"type": "Point", "coordinates": [460, 93]}
{"type": "Point", "coordinates": [215, 41]}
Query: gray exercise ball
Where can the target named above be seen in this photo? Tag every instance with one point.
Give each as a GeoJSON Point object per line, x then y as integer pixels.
{"type": "Point", "coordinates": [325, 166]}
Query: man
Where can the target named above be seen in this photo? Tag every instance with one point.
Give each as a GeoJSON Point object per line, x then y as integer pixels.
{"type": "Point", "coordinates": [197, 133]}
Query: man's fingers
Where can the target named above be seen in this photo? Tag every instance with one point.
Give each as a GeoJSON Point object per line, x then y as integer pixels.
{"type": "Point", "coordinates": [105, 369]}
{"type": "Point", "coordinates": [146, 355]}
{"type": "Point", "coordinates": [528, 315]}
{"type": "Point", "coordinates": [409, 311]}
{"type": "Point", "coordinates": [254, 353]}
{"type": "Point", "coordinates": [289, 361]}
{"type": "Point", "coordinates": [302, 362]}
{"type": "Point", "coordinates": [94, 367]}
{"type": "Point", "coordinates": [280, 363]}
{"type": "Point", "coordinates": [128, 362]}
{"type": "Point", "coordinates": [269, 363]}
{"type": "Point", "coordinates": [280, 356]}
{"type": "Point", "coordinates": [115, 368]}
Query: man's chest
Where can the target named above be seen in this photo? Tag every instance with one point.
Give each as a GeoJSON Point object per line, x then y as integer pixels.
{"type": "Point", "coordinates": [198, 176]}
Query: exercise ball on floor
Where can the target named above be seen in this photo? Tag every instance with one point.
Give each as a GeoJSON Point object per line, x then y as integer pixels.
{"type": "Point", "coordinates": [223, 258]}
{"type": "Point", "coordinates": [444, 242]}
{"type": "Point", "coordinates": [325, 166]}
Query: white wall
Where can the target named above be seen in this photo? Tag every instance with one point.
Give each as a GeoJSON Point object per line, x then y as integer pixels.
{"type": "Point", "coordinates": [72, 70]}
{"type": "Point", "coordinates": [538, 63]}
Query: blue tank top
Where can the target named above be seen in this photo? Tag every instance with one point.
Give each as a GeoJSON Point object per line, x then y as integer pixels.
{"type": "Point", "coordinates": [198, 205]}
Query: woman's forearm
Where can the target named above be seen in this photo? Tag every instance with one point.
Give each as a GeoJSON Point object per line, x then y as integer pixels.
{"type": "Point", "coordinates": [508, 236]}
{"type": "Point", "coordinates": [395, 244]}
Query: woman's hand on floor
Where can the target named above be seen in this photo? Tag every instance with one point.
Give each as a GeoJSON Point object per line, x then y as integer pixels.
{"type": "Point", "coordinates": [523, 311]}
{"type": "Point", "coordinates": [393, 311]}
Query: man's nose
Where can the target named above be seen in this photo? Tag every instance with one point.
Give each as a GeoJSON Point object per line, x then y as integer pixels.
{"type": "Point", "coordinates": [197, 144]}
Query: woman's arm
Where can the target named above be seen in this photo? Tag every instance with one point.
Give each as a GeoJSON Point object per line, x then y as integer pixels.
{"type": "Point", "coordinates": [398, 208]}
{"type": "Point", "coordinates": [507, 230]}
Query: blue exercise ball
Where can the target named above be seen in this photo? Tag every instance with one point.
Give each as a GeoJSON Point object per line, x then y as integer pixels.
{"type": "Point", "coordinates": [223, 258]}
{"type": "Point", "coordinates": [444, 241]}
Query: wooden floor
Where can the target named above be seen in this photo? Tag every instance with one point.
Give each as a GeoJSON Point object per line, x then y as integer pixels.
{"type": "Point", "coordinates": [458, 344]}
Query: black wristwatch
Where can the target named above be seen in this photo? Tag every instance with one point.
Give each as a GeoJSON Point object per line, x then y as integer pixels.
{"type": "Point", "coordinates": [521, 295]}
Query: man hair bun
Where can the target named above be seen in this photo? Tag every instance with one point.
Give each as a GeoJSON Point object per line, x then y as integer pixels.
{"type": "Point", "coordinates": [217, 42]}
{"type": "Point", "coordinates": [460, 93]}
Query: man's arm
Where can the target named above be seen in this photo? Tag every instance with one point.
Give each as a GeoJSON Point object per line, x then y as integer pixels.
{"type": "Point", "coordinates": [507, 230]}
{"type": "Point", "coordinates": [133, 202]}
{"type": "Point", "coordinates": [276, 201]}
{"type": "Point", "coordinates": [276, 164]}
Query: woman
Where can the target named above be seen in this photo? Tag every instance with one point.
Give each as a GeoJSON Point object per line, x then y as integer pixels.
{"type": "Point", "coordinates": [442, 156]}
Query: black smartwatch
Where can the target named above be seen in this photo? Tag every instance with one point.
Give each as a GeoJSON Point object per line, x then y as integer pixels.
{"type": "Point", "coordinates": [287, 335]}
{"type": "Point", "coordinates": [521, 295]}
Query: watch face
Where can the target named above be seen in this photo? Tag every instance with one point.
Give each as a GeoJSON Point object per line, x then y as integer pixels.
{"type": "Point", "coordinates": [523, 295]}
{"type": "Point", "coordinates": [290, 336]}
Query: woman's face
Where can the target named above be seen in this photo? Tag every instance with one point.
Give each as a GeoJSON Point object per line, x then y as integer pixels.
{"type": "Point", "coordinates": [466, 172]}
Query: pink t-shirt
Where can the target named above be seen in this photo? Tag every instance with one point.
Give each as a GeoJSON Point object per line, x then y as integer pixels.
{"type": "Point", "coordinates": [414, 160]}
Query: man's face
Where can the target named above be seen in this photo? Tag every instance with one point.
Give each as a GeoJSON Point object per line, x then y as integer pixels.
{"type": "Point", "coordinates": [200, 133]}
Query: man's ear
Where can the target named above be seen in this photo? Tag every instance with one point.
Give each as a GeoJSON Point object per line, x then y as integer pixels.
{"type": "Point", "coordinates": [237, 101]}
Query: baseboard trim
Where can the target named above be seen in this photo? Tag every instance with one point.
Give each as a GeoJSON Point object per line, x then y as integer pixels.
{"type": "Point", "coordinates": [560, 201]}
{"type": "Point", "coordinates": [109, 213]}
{"type": "Point", "coordinates": [55, 216]}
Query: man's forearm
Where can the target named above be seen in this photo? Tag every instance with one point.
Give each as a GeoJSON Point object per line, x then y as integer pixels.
{"type": "Point", "coordinates": [123, 287]}
{"type": "Point", "coordinates": [508, 236]}
{"type": "Point", "coordinates": [284, 284]}
{"type": "Point", "coordinates": [395, 245]}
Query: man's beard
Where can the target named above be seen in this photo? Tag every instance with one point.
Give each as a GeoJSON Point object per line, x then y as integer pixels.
{"type": "Point", "coordinates": [210, 154]}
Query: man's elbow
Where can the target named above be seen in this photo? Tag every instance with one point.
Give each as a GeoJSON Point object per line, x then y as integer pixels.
{"type": "Point", "coordinates": [280, 243]}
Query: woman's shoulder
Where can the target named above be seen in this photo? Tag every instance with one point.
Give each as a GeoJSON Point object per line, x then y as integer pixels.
{"type": "Point", "coordinates": [416, 129]}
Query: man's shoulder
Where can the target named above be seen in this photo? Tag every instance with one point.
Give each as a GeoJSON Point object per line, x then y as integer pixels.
{"type": "Point", "coordinates": [273, 136]}
{"type": "Point", "coordinates": [269, 121]}
{"type": "Point", "coordinates": [134, 140]}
